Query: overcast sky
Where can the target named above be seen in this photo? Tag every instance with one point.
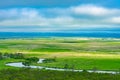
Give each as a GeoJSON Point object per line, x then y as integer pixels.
{"type": "Point", "coordinates": [58, 15]}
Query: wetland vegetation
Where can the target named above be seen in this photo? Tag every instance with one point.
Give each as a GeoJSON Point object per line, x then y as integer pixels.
{"type": "Point", "coordinates": [77, 53]}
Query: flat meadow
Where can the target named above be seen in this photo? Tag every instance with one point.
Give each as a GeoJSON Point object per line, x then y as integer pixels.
{"type": "Point", "coordinates": [77, 53]}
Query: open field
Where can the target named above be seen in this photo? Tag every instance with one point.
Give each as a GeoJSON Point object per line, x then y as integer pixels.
{"type": "Point", "coordinates": [102, 54]}
{"type": "Point", "coordinates": [60, 45]}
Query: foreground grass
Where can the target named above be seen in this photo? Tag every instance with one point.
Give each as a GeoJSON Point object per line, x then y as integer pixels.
{"type": "Point", "coordinates": [36, 74]}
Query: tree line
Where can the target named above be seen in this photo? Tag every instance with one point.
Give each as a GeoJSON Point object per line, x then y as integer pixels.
{"type": "Point", "coordinates": [11, 55]}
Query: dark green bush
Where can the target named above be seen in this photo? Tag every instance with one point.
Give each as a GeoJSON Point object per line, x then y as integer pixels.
{"type": "Point", "coordinates": [49, 60]}
{"type": "Point", "coordinates": [32, 59]}
{"type": "Point", "coordinates": [37, 74]}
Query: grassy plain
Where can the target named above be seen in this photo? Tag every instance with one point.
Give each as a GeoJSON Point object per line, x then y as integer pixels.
{"type": "Point", "coordinates": [82, 53]}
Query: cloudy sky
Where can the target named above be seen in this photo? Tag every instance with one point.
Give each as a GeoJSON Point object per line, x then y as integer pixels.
{"type": "Point", "coordinates": [58, 15]}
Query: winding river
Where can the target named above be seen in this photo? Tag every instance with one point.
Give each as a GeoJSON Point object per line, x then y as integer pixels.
{"type": "Point", "coordinates": [19, 64]}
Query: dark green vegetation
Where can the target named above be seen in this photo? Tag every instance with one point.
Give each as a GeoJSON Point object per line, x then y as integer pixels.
{"type": "Point", "coordinates": [29, 61]}
{"type": "Point", "coordinates": [36, 74]}
{"type": "Point", "coordinates": [49, 60]}
{"type": "Point", "coordinates": [11, 55]}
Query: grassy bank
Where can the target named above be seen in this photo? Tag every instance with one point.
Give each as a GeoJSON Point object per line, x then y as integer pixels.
{"type": "Point", "coordinates": [4, 61]}
{"type": "Point", "coordinates": [85, 63]}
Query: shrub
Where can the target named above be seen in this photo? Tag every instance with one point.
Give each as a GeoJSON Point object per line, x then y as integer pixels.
{"type": "Point", "coordinates": [15, 56]}
{"type": "Point", "coordinates": [32, 59]}
{"type": "Point", "coordinates": [1, 57]}
{"type": "Point", "coordinates": [49, 60]}
{"type": "Point", "coordinates": [26, 63]}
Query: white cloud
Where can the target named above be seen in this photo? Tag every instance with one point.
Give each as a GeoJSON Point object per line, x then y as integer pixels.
{"type": "Point", "coordinates": [115, 20]}
{"type": "Point", "coordinates": [94, 10]}
{"type": "Point", "coordinates": [76, 17]}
